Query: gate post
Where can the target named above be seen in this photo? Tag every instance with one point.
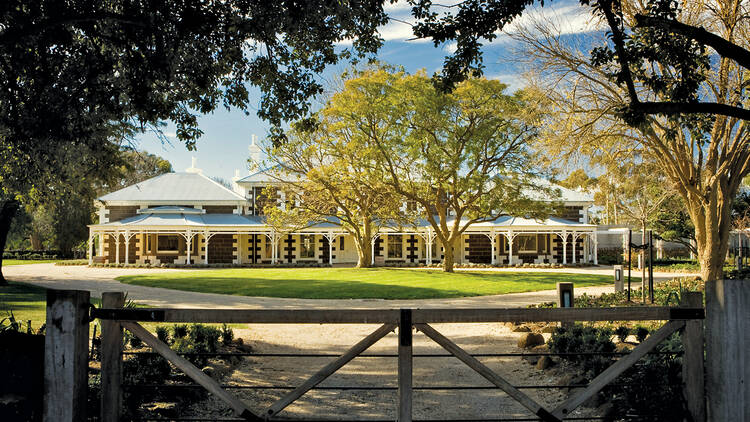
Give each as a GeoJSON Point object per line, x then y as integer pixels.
{"type": "Point", "coordinates": [66, 347]}
{"type": "Point", "coordinates": [404, 366]}
{"type": "Point", "coordinates": [111, 358]}
{"type": "Point", "coordinates": [728, 350]}
{"type": "Point", "coordinates": [692, 362]}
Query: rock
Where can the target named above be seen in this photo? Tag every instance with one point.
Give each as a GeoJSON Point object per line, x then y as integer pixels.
{"type": "Point", "coordinates": [238, 341]}
{"type": "Point", "coordinates": [164, 409]}
{"type": "Point", "coordinates": [549, 329]}
{"type": "Point", "coordinates": [210, 371]}
{"type": "Point", "coordinates": [543, 363]}
{"type": "Point", "coordinates": [542, 348]}
{"type": "Point", "coordinates": [531, 360]}
{"type": "Point", "coordinates": [624, 347]}
{"type": "Point", "coordinates": [529, 340]}
{"type": "Point", "coordinates": [521, 329]}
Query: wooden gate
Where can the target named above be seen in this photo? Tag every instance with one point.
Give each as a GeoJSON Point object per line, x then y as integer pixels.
{"type": "Point", "coordinates": [114, 318]}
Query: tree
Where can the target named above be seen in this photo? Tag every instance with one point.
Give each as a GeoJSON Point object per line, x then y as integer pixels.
{"type": "Point", "coordinates": [94, 71]}
{"type": "Point", "coordinates": [461, 157]}
{"type": "Point", "coordinates": [578, 179]}
{"type": "Point", "coordinates": [673, 224]}
{"type": "Point", "coordinates": [327, 169]}
{"type": "Point", "coordinates": [704, 166]}
{"type": "Point", "coordinates": [640, 194]}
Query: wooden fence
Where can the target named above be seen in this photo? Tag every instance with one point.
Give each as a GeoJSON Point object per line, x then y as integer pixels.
{"type": "Point", "coordinates": [69, 314]}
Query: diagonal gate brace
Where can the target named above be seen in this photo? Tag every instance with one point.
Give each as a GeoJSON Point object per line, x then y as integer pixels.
{"type": "Point", "coordinates": [191, 370]}
{"type": "Point", "coordinates": [487, 373]}
{"type": "Point", "coordinates": [329, 369]}
{"type": "Point", "coordinates": [617, 368]}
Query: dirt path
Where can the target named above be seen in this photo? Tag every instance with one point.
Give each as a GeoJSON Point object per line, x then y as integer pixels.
{"type": "Point", "coordinates": [381, 372]}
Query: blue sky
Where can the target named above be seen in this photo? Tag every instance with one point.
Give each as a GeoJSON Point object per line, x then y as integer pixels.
{"type": "Point", "coordinates": [224, 145]}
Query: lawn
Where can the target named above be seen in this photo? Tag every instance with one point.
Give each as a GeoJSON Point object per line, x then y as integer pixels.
{"type": "Point", "coordinates": [348, 283]}
{"type": "Point", "coordinates": [26, 301]}
{"type": "Point", "coordinates": [28, 261]}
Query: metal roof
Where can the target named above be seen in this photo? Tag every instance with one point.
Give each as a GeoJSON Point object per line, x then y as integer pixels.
{"type": "Point", "coordinates": [183, 187]}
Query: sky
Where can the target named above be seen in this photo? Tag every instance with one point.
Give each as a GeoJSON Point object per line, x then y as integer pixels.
{"type": "Point", "coordinates": [223, 148]}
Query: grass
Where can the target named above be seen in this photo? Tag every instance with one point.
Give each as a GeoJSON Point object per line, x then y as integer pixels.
{"type": "Point", "coordinates": [26, 301]}
{"type": "Point", "coordinates": [28, 261]}
{"type": "Point", "coordinates": [348, 283]}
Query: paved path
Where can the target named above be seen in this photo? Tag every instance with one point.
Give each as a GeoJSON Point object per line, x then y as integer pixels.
{"type": "Point", "coordinates": [98, 280]}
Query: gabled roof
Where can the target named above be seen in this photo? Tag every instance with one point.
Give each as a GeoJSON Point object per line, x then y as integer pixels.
{"type": "Point", "coordinates": [268, 175]}
{"type": "Point", "coordinates": [183, 187]}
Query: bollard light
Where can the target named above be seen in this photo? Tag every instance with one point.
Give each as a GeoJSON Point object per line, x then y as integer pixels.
{"type": "Point", "coordinates": [619, 283]}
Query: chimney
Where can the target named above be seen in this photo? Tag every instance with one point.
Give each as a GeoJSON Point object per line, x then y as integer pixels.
{"type": "Point", "coordinates": [192, 168]}
{"type": "Point", "coordinates": [235, 186]}
{"type": "Point", "coordinates": [255, 154]}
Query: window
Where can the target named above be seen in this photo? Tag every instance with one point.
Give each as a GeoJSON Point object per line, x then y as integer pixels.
{"type": "Point", "coordinates": [526, 243]}
{"type": "Point", "coordinates": [307, 246]}
{"type": "Point", "coordinates": [168, 243]}
{"type": "Point", "coordinates": [395, 246]}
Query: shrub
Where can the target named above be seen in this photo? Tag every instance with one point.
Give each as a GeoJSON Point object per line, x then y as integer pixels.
{"type": "Point", "coordinates": [179, 331]}
{"type": "Point", "coordinates": [650, 390]}
{"type": "Point", "coordinates": [641, 333]}
{"type": "Point", "coordinates": [205, 338]}
{"type": "Point", "coordinates": [622, 332]}
{"type": "Point", "coordinates": [162, 333]}
{"type": "Point", "coordinates": [227, 335]}
{"type": "Point", "coordinates": [132, 340]}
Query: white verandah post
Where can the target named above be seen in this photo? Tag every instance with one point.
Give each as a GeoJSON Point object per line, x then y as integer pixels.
{"type": "Point", "coordinates": [188, 245]}
{"type": "Point", "coordinates": [91, 247]}
{"type": "Point", "coordinates": [117, 248]}
{"type": "Point", "coordinates": [510, 236]}
{"type": "Point", "coordinates": [206, 237]}
{"type": "Point", "coordinates": [574, 238]}
{"type": "Point", "coordinates": [127, 247]}
{"type": "Point", "coordinates": [564, 238]}
{"type": "Point", "coordinates": [493, 242]}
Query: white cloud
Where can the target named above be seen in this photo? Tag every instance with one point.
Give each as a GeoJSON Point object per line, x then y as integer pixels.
{"type": "Point", "coordinates": [514, 81]}
{"type": "Point", "coordinates": [172, 135]}
{"type": "Point", "coordinates": [450, 47]}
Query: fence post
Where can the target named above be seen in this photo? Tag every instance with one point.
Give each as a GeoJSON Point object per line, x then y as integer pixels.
{"type": "Point", "coordinates": [692, 362]}
{"type": "Point", "coordinates": [728, 350]}
{"type": "Point", "coordinates": [404, 366]}
{"type": "Point", "coordinates": [66, 355]}
{"type": "Point", "coordinates": [111, 358]}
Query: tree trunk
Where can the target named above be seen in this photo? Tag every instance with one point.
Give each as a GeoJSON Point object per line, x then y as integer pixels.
{"type": "Point", "coordinates": [364, 257]}
{"type": "Point", "coordinates": [712, 227]}
{"type": "Point", "coordinates": [7, 212]}
{"type": "Point", "coordinates": [449, 256]}
{"type": "Point", "coordinates": [36, 241]}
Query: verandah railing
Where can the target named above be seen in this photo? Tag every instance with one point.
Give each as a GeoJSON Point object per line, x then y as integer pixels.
{"type": "Point", "coordinates": [69, 311]}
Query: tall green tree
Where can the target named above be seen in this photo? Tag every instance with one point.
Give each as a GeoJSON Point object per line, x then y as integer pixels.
{"type": "Point", "coordinates": [328, 171]}
{"type": "Point", "coordinates": [461, 157]}
{"type": "Point", "coordinates": [74, 73]}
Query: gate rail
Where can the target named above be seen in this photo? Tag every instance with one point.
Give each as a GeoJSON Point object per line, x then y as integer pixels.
{"type": "Point", "coordinates": [114, 318]}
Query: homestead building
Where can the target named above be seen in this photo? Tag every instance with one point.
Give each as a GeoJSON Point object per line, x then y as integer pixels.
{"type": "Point", "coordinates": [187, 218]}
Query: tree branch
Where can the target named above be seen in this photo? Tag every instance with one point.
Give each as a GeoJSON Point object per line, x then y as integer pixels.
{"type": "Point", "coordinates": [723, 47]}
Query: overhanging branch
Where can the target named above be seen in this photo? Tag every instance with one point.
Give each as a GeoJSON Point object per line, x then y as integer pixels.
{"type": "Point", "coordinates": [670, 108]}
{"type": "Point", "coordinates": [723, 47]}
